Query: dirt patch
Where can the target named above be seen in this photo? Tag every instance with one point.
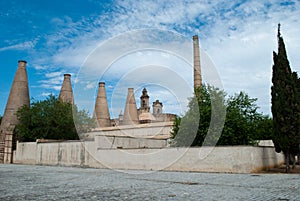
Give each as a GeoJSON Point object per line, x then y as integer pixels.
{"type": "Point", "coordinates": [281, 169]}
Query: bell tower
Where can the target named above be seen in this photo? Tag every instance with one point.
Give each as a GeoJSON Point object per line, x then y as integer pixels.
{"type": "Point", "coordinates": [144, 102]}
{"type": "Point", "coordinates": [157, 107]}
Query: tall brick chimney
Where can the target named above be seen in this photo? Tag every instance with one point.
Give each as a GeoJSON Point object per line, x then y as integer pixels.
{"type": "Point", "coordinates": [101, 112]}
{"type": "Point", "coordinates": [197, 66]}
{"type": "Point", "coordinates": [130, 113]}
{"type": "Point", "coordinates": [18, 96]}
{"type": "Point", "coordinates": [66, 92]}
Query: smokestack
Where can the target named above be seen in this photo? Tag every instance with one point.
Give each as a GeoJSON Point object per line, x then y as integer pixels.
{"type": "Point", "coordinates": [66, 92]}
{"type": "Point", "coordinates": [197, 67]}
{"type": "Point", "coordinates": [101, 112]}
{"type": "Point", "coordinates": [18, 96]}
{"type": "Point", "coordinates": [131, 112]}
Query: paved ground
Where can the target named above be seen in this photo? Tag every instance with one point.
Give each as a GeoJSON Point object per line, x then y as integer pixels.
{"type": "Point", "coordinates": [21, 182]}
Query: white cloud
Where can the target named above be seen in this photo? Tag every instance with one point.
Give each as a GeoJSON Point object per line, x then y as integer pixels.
{"type": "Point", "coordinates": [44, 94]}
{"type": "Point", "coordinates": [21, 46]}
{"type": "Point", "coordinates": [50, 86]}
{"type": "Point", "coordinates": [89, 85]}
{"type": "Point", "coordinates": [53, 75]}
{"type": "Point", "coordinates": [53, 80]}
{"type": "Point", "coordinates": [244, 58]}
{"type": "Point", "coordinates": [239, 38]}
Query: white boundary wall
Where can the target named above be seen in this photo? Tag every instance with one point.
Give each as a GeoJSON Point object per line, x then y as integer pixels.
{"type": "Point", "coordinates": [236, 159]}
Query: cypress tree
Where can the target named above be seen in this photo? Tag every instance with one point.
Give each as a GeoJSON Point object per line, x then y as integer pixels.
{"type": "Point", "coordinates": [284, 103]}
{"type": "Point", "coordinates": [296, 148]}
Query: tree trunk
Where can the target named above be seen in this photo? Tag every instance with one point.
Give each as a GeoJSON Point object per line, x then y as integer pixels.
{"type": "Point", "coordinates": [293, 158]}
{"type": "Point", "coordinates": [287, 162]}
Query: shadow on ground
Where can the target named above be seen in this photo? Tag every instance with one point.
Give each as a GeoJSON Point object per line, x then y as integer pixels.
{"type": "Point", "coordinates": [281, 169]}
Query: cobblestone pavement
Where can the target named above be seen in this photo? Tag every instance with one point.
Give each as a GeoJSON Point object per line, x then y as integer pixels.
{"type": "Point", "coordinates": [22, 182]}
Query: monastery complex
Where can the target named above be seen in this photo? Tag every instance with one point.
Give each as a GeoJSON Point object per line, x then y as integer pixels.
{"type": "Point", "coordinates": [132, 119]}
{"type": "Point", "coordinates": [138, 139]}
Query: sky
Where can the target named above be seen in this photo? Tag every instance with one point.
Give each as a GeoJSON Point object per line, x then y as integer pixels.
{"type": "Point", "coordinates": [145, 44]}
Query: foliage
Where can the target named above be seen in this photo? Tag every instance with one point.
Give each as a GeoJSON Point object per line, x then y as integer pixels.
{"type": "Point", "coordinates": [285, 103]}
{"type": "Point", "coordinates": [243, 124]}
{"type": "Point", "coordinates": [186, 128]}
{"type": "Point", "coordinates": [0, 119]}
{"type": "Point", "coordinates": [194, 126]}
{"type": "Point", "coordinates": [51, 119]}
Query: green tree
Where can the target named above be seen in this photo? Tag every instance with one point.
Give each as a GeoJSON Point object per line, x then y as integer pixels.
{"type": "Point", "coordinates": [285, 104]}
{"type": "Point", "coordinates": [264, 128]}
{"type": "Point", "coordinates": [185, 130]}
{"type": "Point", "coordinates": [243, 125]}
{"type": "Point", "coordinates": [51, 119]}
{"type": "Point", "coordinates": [297, 80]}
{"type": "Point", "coordinates": [0, 119]}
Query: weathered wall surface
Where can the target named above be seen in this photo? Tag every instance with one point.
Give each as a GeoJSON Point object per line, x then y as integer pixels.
{"type": "Point", "coordinates": [239, 159]}
{"type": "Point", "coordinates": [109, 142]}
{"type": "Point", "coordinates": [66, 154]}
{"type": "Point", "coordinates": [26, 153]}
{"type": "Point", "coordinates": [159, 130]}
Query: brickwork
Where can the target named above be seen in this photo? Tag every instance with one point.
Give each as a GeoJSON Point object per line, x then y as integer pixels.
{"type": "Point", "coordinates": [66, 92]}
{"type": "Point", "coordinates": [101, 112]}
{"type": "Point", "coordinates": [18, 96]}
{"type": "Point", "coordinates": [197, 65]}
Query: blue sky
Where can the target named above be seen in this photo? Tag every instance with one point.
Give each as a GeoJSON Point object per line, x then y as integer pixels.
{"type": "Point", "coordinates": [57, 37]}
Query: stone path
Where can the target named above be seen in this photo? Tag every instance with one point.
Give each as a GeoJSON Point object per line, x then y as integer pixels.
{"type": "Point", "coordinates": [21, 182]}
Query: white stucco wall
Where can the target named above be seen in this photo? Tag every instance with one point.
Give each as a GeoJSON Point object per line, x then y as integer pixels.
{"type": "Point", "coordinates": [63, 153]}
{"type": "Point", "coordinates": [26, 152]}
{"type": "Point", "coordinates": [159, 130]}
{"type": "Point", "coordinates": [113, 142]}
{"type": "Point", "coordinates": [237, 159]}
{"type": "Point", "coordinates": [218, 159]}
